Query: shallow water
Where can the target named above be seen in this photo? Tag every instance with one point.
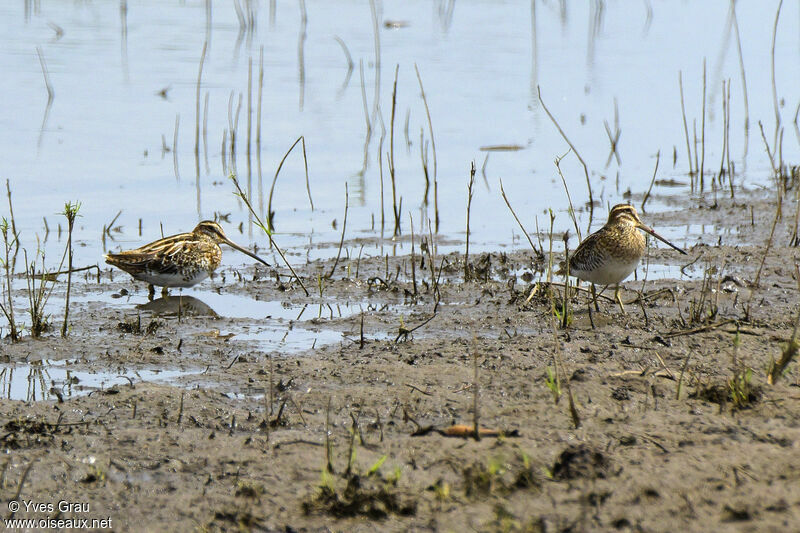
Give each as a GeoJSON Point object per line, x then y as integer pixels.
{"type": "Point", "coordinates": [120, 78]}
{"type": "Point", "coordinates": [49, 380]}
{"type": "Point", "coordinates": [269, 326]}
{"type": "Point", "coordinates": [211, 304]}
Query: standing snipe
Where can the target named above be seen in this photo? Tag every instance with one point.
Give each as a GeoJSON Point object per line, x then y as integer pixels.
{"type": "Point", "coordinates": [181, 260]}
{"type": "Point", "coordinates": [612, 253]}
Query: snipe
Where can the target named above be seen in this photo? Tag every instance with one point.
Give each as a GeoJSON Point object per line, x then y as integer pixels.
{"type": "Point", "coordinates": [612, 253]}
{"type": "Point", "coordinates": [180, 260]}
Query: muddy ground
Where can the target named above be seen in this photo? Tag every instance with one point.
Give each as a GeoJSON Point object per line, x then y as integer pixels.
{"type": "Point", "coordinates": [674, 425]}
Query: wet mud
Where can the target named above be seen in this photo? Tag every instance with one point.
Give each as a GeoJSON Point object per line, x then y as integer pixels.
{"type": "Point", "coordinates": [673, 422]}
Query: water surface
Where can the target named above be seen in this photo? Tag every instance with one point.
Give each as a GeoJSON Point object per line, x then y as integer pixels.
{"type": "Point", "coordinates": [121, 77]}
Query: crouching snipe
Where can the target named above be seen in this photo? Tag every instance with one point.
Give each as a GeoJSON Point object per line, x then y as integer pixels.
{"type": "Point", "coordinates": [181, 260]}
{"type": "Point", "coordinates": [613, 252]}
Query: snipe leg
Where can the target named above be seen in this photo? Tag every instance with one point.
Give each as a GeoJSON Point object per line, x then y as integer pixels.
{"type": "Point", "coordinates": [164, 292]}
{"type": "Point", "coordinates": [151, 291]}
{"type": "Point", "coordinates": [594, 299]}
{"type": "Point", "coordinates": [618, 298]}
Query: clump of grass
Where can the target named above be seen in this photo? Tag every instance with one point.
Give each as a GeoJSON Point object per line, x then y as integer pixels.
{"type": "Point", "coordinates": [249, 489]}
{"type": "Point", "coordinates": [38, 295]}
{"type": "Point", "coordinates": [742, 393]}
{"type": "Point", "coordinates": [498, 476]}
{"type": "Point", "coordinates": [360, 496]}
{"type": "Point", "coordinates": [369, 494]}
{"type": "Point", "coordinates": [7, 306]}
{"type": "Point", "coordinates": [696, 169]}
{"type": "Point", "coordinates": [11, 214]}
{"type": "Point", "coordinates": [562, 313]}
{"type": "Point", "coordinates": [740, 388]}
{"type": "Point", "coordinates": [135, 326]}
{"type": "Point", "coordinates": [481, 479]}
{"type": "Point", "coordinates": [355, 493]}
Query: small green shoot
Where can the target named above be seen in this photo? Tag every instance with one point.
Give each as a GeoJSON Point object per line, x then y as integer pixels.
{"type": "Point", "coordinates": [553, 383]}
{"type": "Point", "coordinates": [394, 477]}
{"type": "Point", "coordinates": [320, 285]}
{"type": "Point", "coordinates": [741, 390]}
{"type": "Point", "coordinates": [564, 319]}
{"type": "Point", "coordinates": [789, 351]}
{"type": "Point", "coordinates": [71, 212]}
{"type": "Point", "coordinates": [374, 468]}
{"type": "Point", "coordinates": [441, 491]}
{"type": "Point", "coordinates": [482, 479]}
{"type": "Point", "coordinates": [496, 467]}
{"type": "Point", "coordinates": [326, 479]}
{"type": "Point", "coordinates": [526, 460]}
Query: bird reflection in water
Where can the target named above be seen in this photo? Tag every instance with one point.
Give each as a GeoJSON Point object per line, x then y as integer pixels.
{"type": "Point", "coordinates": [178, 306]}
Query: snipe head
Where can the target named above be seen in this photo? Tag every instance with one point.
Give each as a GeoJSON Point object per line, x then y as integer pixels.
{"type": "Point", "coordinates": [213, 231]}
{"type": "Point", "coordinates": [626, 216]}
